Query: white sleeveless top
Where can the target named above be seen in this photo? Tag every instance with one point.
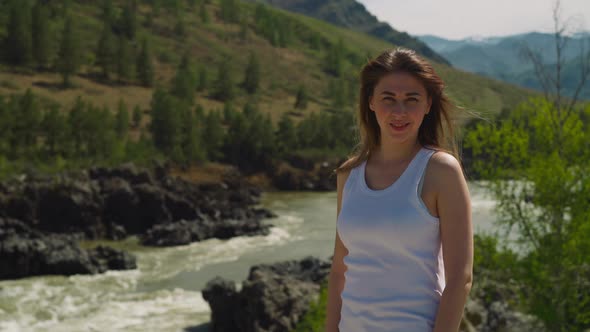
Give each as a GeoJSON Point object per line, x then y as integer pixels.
{"type": "Point", "coordinates": [395, 273]}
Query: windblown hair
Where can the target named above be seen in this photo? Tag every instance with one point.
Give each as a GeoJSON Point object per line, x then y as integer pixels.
{"type": "Point", "coordinates": [436, 130]}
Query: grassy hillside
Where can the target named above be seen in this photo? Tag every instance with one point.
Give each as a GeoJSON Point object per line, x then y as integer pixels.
{"type": "Point", "coordinates": [283, 69]}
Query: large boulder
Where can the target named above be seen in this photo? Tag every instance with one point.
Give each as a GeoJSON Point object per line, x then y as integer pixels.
{"type": "Point", "coordinates": [273, 298]}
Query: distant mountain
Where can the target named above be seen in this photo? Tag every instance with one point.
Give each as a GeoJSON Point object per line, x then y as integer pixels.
{"type": "Point", "coordinates": [501, 57]}
{"type": "Point", "coordinates": [353, 15]}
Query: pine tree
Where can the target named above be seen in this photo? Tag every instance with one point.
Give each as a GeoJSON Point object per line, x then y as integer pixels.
{"type": "Point", "coordinates": [224, 87]}
{"type": "Point", "coordinates": [229, 113]}
{"type": "Point", "coordinates": [252, 79]}
{"type": "Point", "coordinates": [183, 85]}
{"type": "Point", "coordinates": [107, 13]}
{"type": "Point", "coordinates": [286, 134]}
{"type": "Point", "coordinates": [54, 129]}
{"type": "Point", "coordinates": [106, 51]}
{"type": "Point", "coordinates": [41, 35]}
{"type": "Point", "coordinates": [7, 113]}
{"type": "Point", "coordinates": [122, 120]}
{"type": "Point", "coordinates": [128, 22]}
{"type": "Point", "coordinates": [202, 84]}
{"type": "Point", "coordinates": [229, 11]}
{"type": "Point", "coordinates": [301, 99]}
{"type": "Point", "coordinates": [203, 13]}
{"type": "Point", "coordinates": [68, 52]}
{"type": "Point", "coordinates": [125, 68]}
{"type": "Point", "coordinates": [26, 123]}
{"type": "Point", "coordinates": [166, 122]}
{"type": "Point", "coordinates": [191, 143]}
{"type": "Point", "coordinates": [180, 27]}
{"type": "Point", "coordinates": [75, 125]}
{"type": "Point", "coordinates": [213, 135]}
{"type": "Point", "coordinates": [18, 42]}
{"type": "Point", "coordinates": [145, 70]}
{"type": "Point", "coordinates": [334, 59]}
{"type": "Point", "coordinates": [137, 116]}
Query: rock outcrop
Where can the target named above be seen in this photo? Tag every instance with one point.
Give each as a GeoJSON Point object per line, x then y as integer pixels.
{"type": "Point", "coordinates": [26, 252]}
{"type": "Point", "coordinates": [273, 298]}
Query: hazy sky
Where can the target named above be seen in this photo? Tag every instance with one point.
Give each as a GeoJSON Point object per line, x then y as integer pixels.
{"type": "Point", "coordinates": [456, 19]}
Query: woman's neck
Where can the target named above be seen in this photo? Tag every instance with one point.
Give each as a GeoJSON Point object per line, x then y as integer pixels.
{"type": "Point", "coordinates": [395, 153]}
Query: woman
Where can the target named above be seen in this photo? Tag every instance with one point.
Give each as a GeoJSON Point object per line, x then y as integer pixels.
{"type": "Point", "coordinates": [403, 255]}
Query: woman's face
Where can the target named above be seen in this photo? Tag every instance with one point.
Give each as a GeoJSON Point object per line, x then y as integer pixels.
{"type": "Point", "coordinates": [400, 103]}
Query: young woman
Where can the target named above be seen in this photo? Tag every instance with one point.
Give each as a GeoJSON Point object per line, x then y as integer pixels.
{"type": "Point", "coordinates": [403, 255]}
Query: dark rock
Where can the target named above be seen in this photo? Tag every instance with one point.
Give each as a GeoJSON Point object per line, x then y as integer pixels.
{"type": "Point", "coordinates": [106, 258]}
{"type": "Point", "coordinates": [174, 234]}
{"type": "Point", "coordinates": [26, 252]}
{"type": "Point", "coordinates": [116, 202]}
{"type": "Point", "coordinates": [151, 208]}
{"type": "Point", "coordinates": [70, 207]}
{"type": "Point", "coordinates": [273, 298]}
{"type": "Point", "coordinates": [127, 171]}
{"type": "Point", "coordinates": [300, 162]}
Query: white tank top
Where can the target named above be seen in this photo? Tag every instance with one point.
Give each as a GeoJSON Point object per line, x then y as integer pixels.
{"type": "Point", "coordinates": [395, 273]}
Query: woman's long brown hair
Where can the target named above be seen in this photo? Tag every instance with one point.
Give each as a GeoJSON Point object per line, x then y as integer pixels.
{"type": "Point", "coordinates": [436, 130]}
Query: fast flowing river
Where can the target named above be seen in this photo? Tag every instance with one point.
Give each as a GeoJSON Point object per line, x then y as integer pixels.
{"type": "Point", "coordinates": [164, 293]}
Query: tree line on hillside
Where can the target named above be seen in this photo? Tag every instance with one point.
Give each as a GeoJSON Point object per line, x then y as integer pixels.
{"type": "Point", "coordinates": [40, 134]}
{"type": "Point", "coordinates": [45, 36]}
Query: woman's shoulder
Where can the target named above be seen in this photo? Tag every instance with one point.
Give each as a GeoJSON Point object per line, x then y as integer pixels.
{"type": "Point", "coordinates": [444, 166]}
{"type": "Point", "coordinates": [344, 170]}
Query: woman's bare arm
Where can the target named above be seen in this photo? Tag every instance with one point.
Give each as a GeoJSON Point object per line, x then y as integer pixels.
{"type": "Point", "coordinates": [336, 277]}
{"type": "Point", "coordinates": [454, 210]}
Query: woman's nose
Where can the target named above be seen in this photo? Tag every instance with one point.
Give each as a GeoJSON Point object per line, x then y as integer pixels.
{"type": "Point", "coordinates": [398, 107]}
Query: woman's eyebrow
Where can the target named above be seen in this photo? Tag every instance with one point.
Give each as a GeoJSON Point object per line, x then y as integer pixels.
{"type": "Point", "coordinates": [408, 94]}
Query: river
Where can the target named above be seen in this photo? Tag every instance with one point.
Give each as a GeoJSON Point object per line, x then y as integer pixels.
{"type": "Point", "coordinates": [163, 294]}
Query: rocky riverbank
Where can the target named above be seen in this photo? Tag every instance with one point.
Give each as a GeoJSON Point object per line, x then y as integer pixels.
{"type": "Point", "coordinates": [45, 216]}
{"type": "Point", "coordinates": [276, 297]}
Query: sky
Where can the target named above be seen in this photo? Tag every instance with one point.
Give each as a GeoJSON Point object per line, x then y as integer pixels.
{"type": "Point", "coordinates": [457, 19]}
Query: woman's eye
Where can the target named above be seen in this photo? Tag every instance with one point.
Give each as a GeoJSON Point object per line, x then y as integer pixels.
{"type": "Point", "coordinates": [413, 100]}
{"type": "Point", "coordinates": [389, 99]}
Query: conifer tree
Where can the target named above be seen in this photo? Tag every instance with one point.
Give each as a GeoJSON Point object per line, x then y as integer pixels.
{"type": "Point", "coordinates": [252, 79]}
{"type": "Point", "coordinates": [107, 13]}
{"type": "Point", "coordinates": [26, 123]}
{"type": "Point", "coordinates": [224, 87]}
{"type": "Point", "coordinates": [124, 63]}
{"type": "Point", "coordinates": [286, 134]}
{"type": "Point", "coordinates": [145, 70]}
{"type": "Point", "coordinates": [122, 120]}
{"type": "Point", "coordinates": [166, 123]}
{"type": "Point", "coordinates": [203, 13]}
{"type": "Point", "coordinates": [128, 22]}
{"type": "Point", "coordinates": [106, 51]}
{"type": "Point", "coordinates": [183, 85]}
{"type": "Point", "coordinates": [191, 143]}
{"type": "Point", "coordinates": [301, 99]}
{"type": "Point", "coordinates": [202, 83]}
{"type": "Point", "coordinates": [69, 58]}
{"type": "Point", "coordinates": [54, 129]}
{"type": "Point", "coordinates": [41, 35]}
{"type": "Point", "coordinates": [180, 27]}
{"type": "Point", "coordinates": [18, 42]}
{"type": "Point", "coordinates": [213, 135]}
{"type": "Point", "coordinates": [229, 11]}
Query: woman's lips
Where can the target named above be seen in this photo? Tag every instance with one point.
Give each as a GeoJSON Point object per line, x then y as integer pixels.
{"type": "Point", "coordinates": [399, 126]}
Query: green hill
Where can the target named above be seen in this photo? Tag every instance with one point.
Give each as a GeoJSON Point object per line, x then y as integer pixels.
{"type": "Point", "coordinates": [237, 55]}
{"type": "Point", "coordinates": [283, 69]}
